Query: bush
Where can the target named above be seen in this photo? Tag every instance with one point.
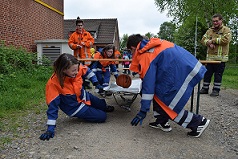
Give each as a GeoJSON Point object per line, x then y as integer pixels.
{"type": "Point", "coordinates": [22, 81]}
{"type": "Point", "coordinates": [12, 59]}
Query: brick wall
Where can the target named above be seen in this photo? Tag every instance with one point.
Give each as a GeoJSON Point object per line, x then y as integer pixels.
{"type": "Point", "coordinates": [24, 21]}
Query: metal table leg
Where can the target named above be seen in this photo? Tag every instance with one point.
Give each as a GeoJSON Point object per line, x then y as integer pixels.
{"type": "Point", "coordinates": [197, 101]}
{"type": "Point", "coordinates": [198, 98]}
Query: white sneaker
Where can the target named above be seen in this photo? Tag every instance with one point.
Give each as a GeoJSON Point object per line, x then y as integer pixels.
{"type": "Point", "coordinates": [164, 127]}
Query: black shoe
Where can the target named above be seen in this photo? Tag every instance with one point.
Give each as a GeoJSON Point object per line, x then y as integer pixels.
{"type": "Point", "coordinates": [203, 91]}
{"type": "Point", "coordinates": [200, 129]}
{"type": "Point", "coordinates": [102, 93]}
{"type": "Point", "coordinates": [164, 127]}
{"type": "Point", "coordinates": [109, 108]}
{"type": "Point", "coordinates": [214, 93]}
{"type": "Point", "coordinates": [107, 93]}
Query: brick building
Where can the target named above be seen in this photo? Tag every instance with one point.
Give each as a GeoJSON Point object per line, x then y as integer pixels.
{"type": "Point", "coordinates": [24, 21]}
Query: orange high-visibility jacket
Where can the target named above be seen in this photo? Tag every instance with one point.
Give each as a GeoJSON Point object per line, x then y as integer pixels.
{"type": "Point", "coordinates": [72, 98]}
{"type": "Point", "coordinates": [79, 38]}
{"type": "Point", "coordinates": [169, 74]}
{"type": "Point", "coordinates": [98, 55]}
{"type": "Point", "coordinates": [117, 55]}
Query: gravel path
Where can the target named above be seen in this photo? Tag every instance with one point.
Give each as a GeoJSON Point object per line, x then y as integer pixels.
{"type": "Point", "coordinates": [117, 139]}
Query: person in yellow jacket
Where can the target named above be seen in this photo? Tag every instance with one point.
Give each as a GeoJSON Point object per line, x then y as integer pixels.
{"type": "Point", "coordinates": [81, 42]}
{"type": "Point", "coordinates": [217, 39]}
{"type": "Point", "coordinates": [92, 50]}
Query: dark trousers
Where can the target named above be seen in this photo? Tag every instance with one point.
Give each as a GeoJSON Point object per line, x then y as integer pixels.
{"type": "Point", "coordinates": [96, 111]}
{"type": "Point", "coordinates": [127, 71]}
{"type": "Point", "coordinates": [217, 70]}
{"type": "Point", "coordinates": [162, 117]}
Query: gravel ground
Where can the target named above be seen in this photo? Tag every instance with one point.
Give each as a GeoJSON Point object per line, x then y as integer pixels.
{"type": "Point", "coordinates": [117, 139]}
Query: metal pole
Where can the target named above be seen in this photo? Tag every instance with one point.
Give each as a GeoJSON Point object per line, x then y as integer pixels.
{"type": "Point", "coordinates": [195, 38]}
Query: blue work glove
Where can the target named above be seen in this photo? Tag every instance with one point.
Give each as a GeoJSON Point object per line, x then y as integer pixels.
{"type": "Point", "coordinates": [49, 133]}
{"type": "Point", "coordinates": [139, 118]}
{"type": "Point", "coordinates": [99, 87]}
{"type": "Point", "coordinates": [116, 76]}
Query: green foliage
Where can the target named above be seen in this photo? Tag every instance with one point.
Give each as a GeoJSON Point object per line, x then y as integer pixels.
{"type": "Point", "coordinates": [21, 79]}
{"type": "Point", "coordinates": [230, 76]}
{"type": "Point", "coordinates": [181, 10]}
{"type": "Point", "coordinates": [167, 30]}
{"type": "Point", "coordinates": [123, 41]}
{"type": "Point", "coordinates": [12, 59]}
{"type": "Point", "coordinates": [150, 35]}
{"type": "Point", "coordinates": [185, 12]}
{"type": "Point", "coordinates": [185, 37]}
{"type": "Point", "coordinates": [22, 88]}
{"type": "Point", "coordinates": [22, 84]}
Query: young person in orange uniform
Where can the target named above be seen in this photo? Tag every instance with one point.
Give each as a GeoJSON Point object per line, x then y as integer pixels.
{"type": "Point", "coordinates": [102, 69]}
{"type": "Point", "coordinates": [64, 91]}
{"type": "Point", "coordinates": [117, 56]}
{"type": "Point", "coordinates": [169, 74]}
{"type": "Point", "coordinates": [81, 42]}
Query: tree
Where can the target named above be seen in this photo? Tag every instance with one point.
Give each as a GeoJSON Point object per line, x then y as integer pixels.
{"type": "Point", "coordinates": [187, 11]}
{"type": "Point", "coordinates": [123, 41]}
{"type": "Point", "coordinates": [150, 35]}
{"type": "Point", "coordinates": [233, 55]}
{"type": "Point", "coordinates": [167, 30]}
{"type": "Point", "coordinates": [182, 9]}
{"type": "Point", "coordinates": [185, 37]}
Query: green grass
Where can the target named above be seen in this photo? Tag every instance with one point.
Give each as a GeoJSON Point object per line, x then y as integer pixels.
{"type": "Point", "coordinates": [23, 89]}
{"type": "Point", "coordinates": [21, 92]}
{"type": "Point", "coordinates": [230, 77]}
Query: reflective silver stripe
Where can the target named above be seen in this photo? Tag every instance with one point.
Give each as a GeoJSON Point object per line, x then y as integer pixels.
{"type": "Point", "coordinates": [51, 122]}
{"type": "Point", "coordinates": [94, 70]}
{"type": "Point", "coordinates": [147, 96]}
{"type": "Point", "coordinates": [205, 87]}
{"type": "Point", "coordinates": [218, 84]}
{"type": "Point", "coordinates": [87, 62]}
{"type": "Point", "coordinates": [218, 87]}
{"type": "Point", "coordinates": [84, 95]}
{"type": "Point", "coordinates": [185, 85]}
{"type": "Point", "coordinates": [187, 120]}
{"type": "Point", "coordinates": [91, 74]}
{"type": "Point", "coordinates": [80, 107]}
{"type": "Point", "coordinates": [180, 115]}
{"type": "Point", "coordinates": [99, 69]}
{"type": "Point", "coordinates": [206, 83]}
{"type": "Point", "coordinates": [114, 73]}
{"type": "Point", "coordinates": [105, 84]}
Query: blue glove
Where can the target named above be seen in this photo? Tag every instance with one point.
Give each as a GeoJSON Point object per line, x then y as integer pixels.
{"type": "Point", "coordinates": [99, 87]}
{"type": "Point", "coordinates": [139, 118]}
{"type": "Point", "coordinates": [49, 133]}
{"type": "Point", "coordinates": [116, 76]}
